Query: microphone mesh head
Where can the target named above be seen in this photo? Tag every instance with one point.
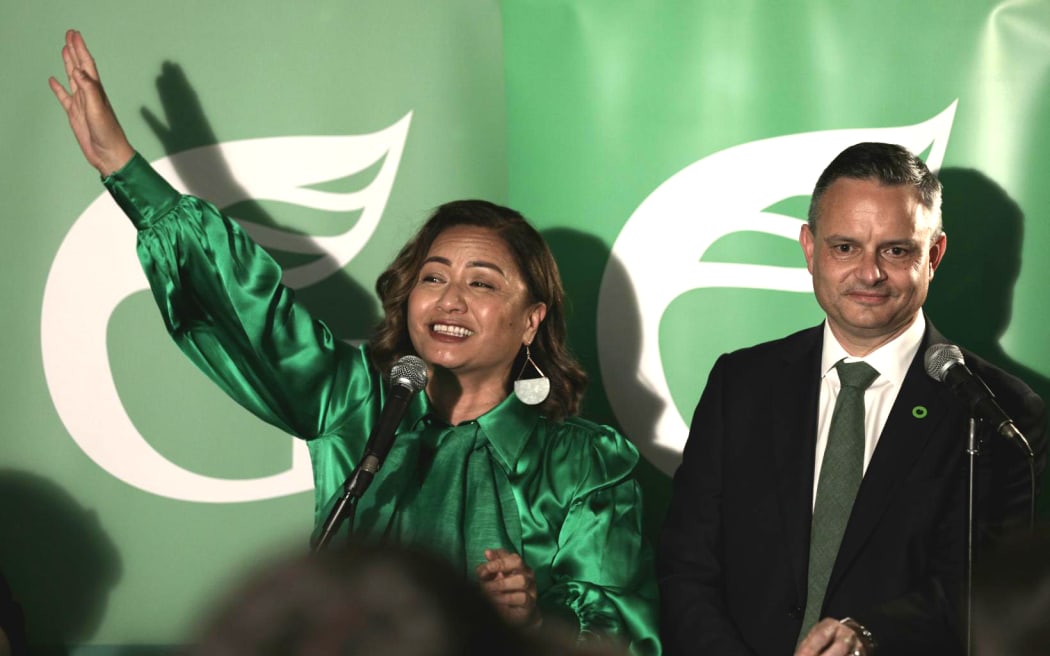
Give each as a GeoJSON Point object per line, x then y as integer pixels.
{"type": "Point", "coordinates": [940, 358]}
{"type": "Point", "coordinates": [411, 372]}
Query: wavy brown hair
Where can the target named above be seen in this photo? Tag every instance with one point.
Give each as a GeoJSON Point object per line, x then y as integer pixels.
{"type": "Point", "coordinates": [537, 265]}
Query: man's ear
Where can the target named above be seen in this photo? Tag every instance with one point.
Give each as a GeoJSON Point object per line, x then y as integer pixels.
{"type": "Point", "coordinates": [807, 240]}
{"type": "Point", "coordinates": [937, 250]}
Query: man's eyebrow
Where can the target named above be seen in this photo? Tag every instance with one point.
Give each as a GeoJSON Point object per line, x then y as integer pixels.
{"type": "Point", "coordinates": [904, 241]}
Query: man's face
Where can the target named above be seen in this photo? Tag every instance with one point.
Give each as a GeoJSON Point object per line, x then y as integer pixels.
{"type": "Point", "coordinates": [872, 259]}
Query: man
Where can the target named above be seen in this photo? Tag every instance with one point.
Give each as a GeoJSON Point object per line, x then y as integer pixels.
{"type": "Point", "coordinates": [796, 527]}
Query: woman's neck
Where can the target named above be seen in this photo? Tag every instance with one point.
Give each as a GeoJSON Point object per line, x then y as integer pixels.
{"type": "Point", "coordinates": [458, 399]}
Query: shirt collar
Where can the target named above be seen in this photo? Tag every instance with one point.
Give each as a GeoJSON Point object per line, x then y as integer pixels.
{"type": "Point", "coordinates": [891, 360]}
{"type": "Point", "coordinates": [506, 427]}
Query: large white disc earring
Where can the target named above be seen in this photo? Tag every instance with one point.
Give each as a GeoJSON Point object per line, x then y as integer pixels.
{"type": "Point", "coordinates": [531, 391]}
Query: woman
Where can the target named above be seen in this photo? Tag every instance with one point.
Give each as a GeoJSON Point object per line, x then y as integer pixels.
{"type": "Point", "coordinates": [541, 506]}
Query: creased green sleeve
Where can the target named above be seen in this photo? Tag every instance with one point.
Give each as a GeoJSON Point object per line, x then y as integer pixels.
{"type": "Point", "coordinates": [222, 300]}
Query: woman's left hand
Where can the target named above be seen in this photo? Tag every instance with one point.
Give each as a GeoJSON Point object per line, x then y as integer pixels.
{"type": "Point", "coordinates": [511, 585]}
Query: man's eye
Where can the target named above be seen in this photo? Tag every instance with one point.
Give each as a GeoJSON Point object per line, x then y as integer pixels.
{"type": "Point", "coordinates": [897, 251]}
{"type": "Point", "coordinates": [843, 248]}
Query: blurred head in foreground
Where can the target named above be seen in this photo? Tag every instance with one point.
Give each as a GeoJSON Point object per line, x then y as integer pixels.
{"type": "Point", "coordinates": [368, 600]}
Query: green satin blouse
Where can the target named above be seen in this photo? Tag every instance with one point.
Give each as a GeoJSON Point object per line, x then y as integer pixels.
{"type": "Point", "coordinates": [562, 495]}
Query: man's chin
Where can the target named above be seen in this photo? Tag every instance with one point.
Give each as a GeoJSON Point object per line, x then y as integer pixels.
{"type": "Point", "coordinates": [874, 328]}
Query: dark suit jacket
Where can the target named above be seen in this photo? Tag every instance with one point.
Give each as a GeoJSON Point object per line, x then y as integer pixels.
{"type": "Point", "coordinates": [735, 545]}
{"type": "Point", "coordinates": [12, 624]}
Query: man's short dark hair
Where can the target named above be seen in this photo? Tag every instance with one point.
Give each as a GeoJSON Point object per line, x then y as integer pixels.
{"type": "Point", "coordinates": [889, 164]}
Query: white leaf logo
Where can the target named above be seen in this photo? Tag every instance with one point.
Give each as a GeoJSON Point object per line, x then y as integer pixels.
{"type": "Point", "coordinates": [657, 257]}
{"type": "Point", "coordinates": [83, 289]}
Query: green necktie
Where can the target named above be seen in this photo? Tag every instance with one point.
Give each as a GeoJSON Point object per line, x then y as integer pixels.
{"type": "Point", "coordinates": [840, 475]}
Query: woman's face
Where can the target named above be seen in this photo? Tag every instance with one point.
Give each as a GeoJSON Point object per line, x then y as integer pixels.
{"type": "Point", "coordinates": [469, 311]}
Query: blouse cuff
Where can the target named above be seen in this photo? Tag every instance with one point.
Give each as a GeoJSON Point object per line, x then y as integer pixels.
{"type": "Point", "coordinates": [141, 192]}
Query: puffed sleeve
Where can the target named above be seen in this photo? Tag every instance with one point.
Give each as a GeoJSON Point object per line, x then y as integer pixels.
{"type": "Point", "coordinates": [602, 571]}
{"type": "Point", "coordinates": [222, 301]}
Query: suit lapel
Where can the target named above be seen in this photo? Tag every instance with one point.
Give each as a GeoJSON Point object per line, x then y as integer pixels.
{"type": "Point", "coordinates": [794, 390]}
{"type": "Point", "coordinates": [920, 407]}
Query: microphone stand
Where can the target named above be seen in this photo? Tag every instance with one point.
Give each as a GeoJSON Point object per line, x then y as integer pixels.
{"type": "Point", "coordinates": [407, 377]}
{"type": "Point", "coordinates": [973, 449]}
{"type": "Point", "coordinates": [346, 507]}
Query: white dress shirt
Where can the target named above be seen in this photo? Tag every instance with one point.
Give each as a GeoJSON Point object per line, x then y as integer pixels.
{"type": "Point", "coordinates": [891, 360]}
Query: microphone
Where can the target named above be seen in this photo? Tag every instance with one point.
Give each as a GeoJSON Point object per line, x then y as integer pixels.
{"type": "Point", "coordinates": [407, 377]}
{"type": "Point", "coordinates": [945, 363]}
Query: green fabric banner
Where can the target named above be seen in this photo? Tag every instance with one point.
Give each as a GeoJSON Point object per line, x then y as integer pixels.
{"type": "Point", "coordinates": [666, 150]}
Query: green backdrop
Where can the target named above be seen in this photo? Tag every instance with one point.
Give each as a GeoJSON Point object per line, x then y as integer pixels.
{"type": "Point", "coordinates": [666, 150]}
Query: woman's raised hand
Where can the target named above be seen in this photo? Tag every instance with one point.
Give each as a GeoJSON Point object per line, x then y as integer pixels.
{"type": "Point", "coordinates": [94, 123]}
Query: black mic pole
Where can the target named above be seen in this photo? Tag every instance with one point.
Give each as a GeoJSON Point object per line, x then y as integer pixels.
{"type": "Point", "coordinates": [973, 449]}
{"type": "Point", "coordinates": [354, 486]}
{"type": "Point", "coordinates": [408, 376]}
{"type": "Point", "coordinates": [945, 363]}
{"type": "Point", "coordinates": [345, 508]}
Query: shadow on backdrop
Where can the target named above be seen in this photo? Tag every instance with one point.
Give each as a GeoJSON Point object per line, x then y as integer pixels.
{"type": "Point", "coordinates": [971, 298]}
{"type": "Point", "coordinates": [59, 562]}
{"type": "Point", "coordinates": [348, 308]}
{"type": "Point", "coordinates": [582, 259]}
